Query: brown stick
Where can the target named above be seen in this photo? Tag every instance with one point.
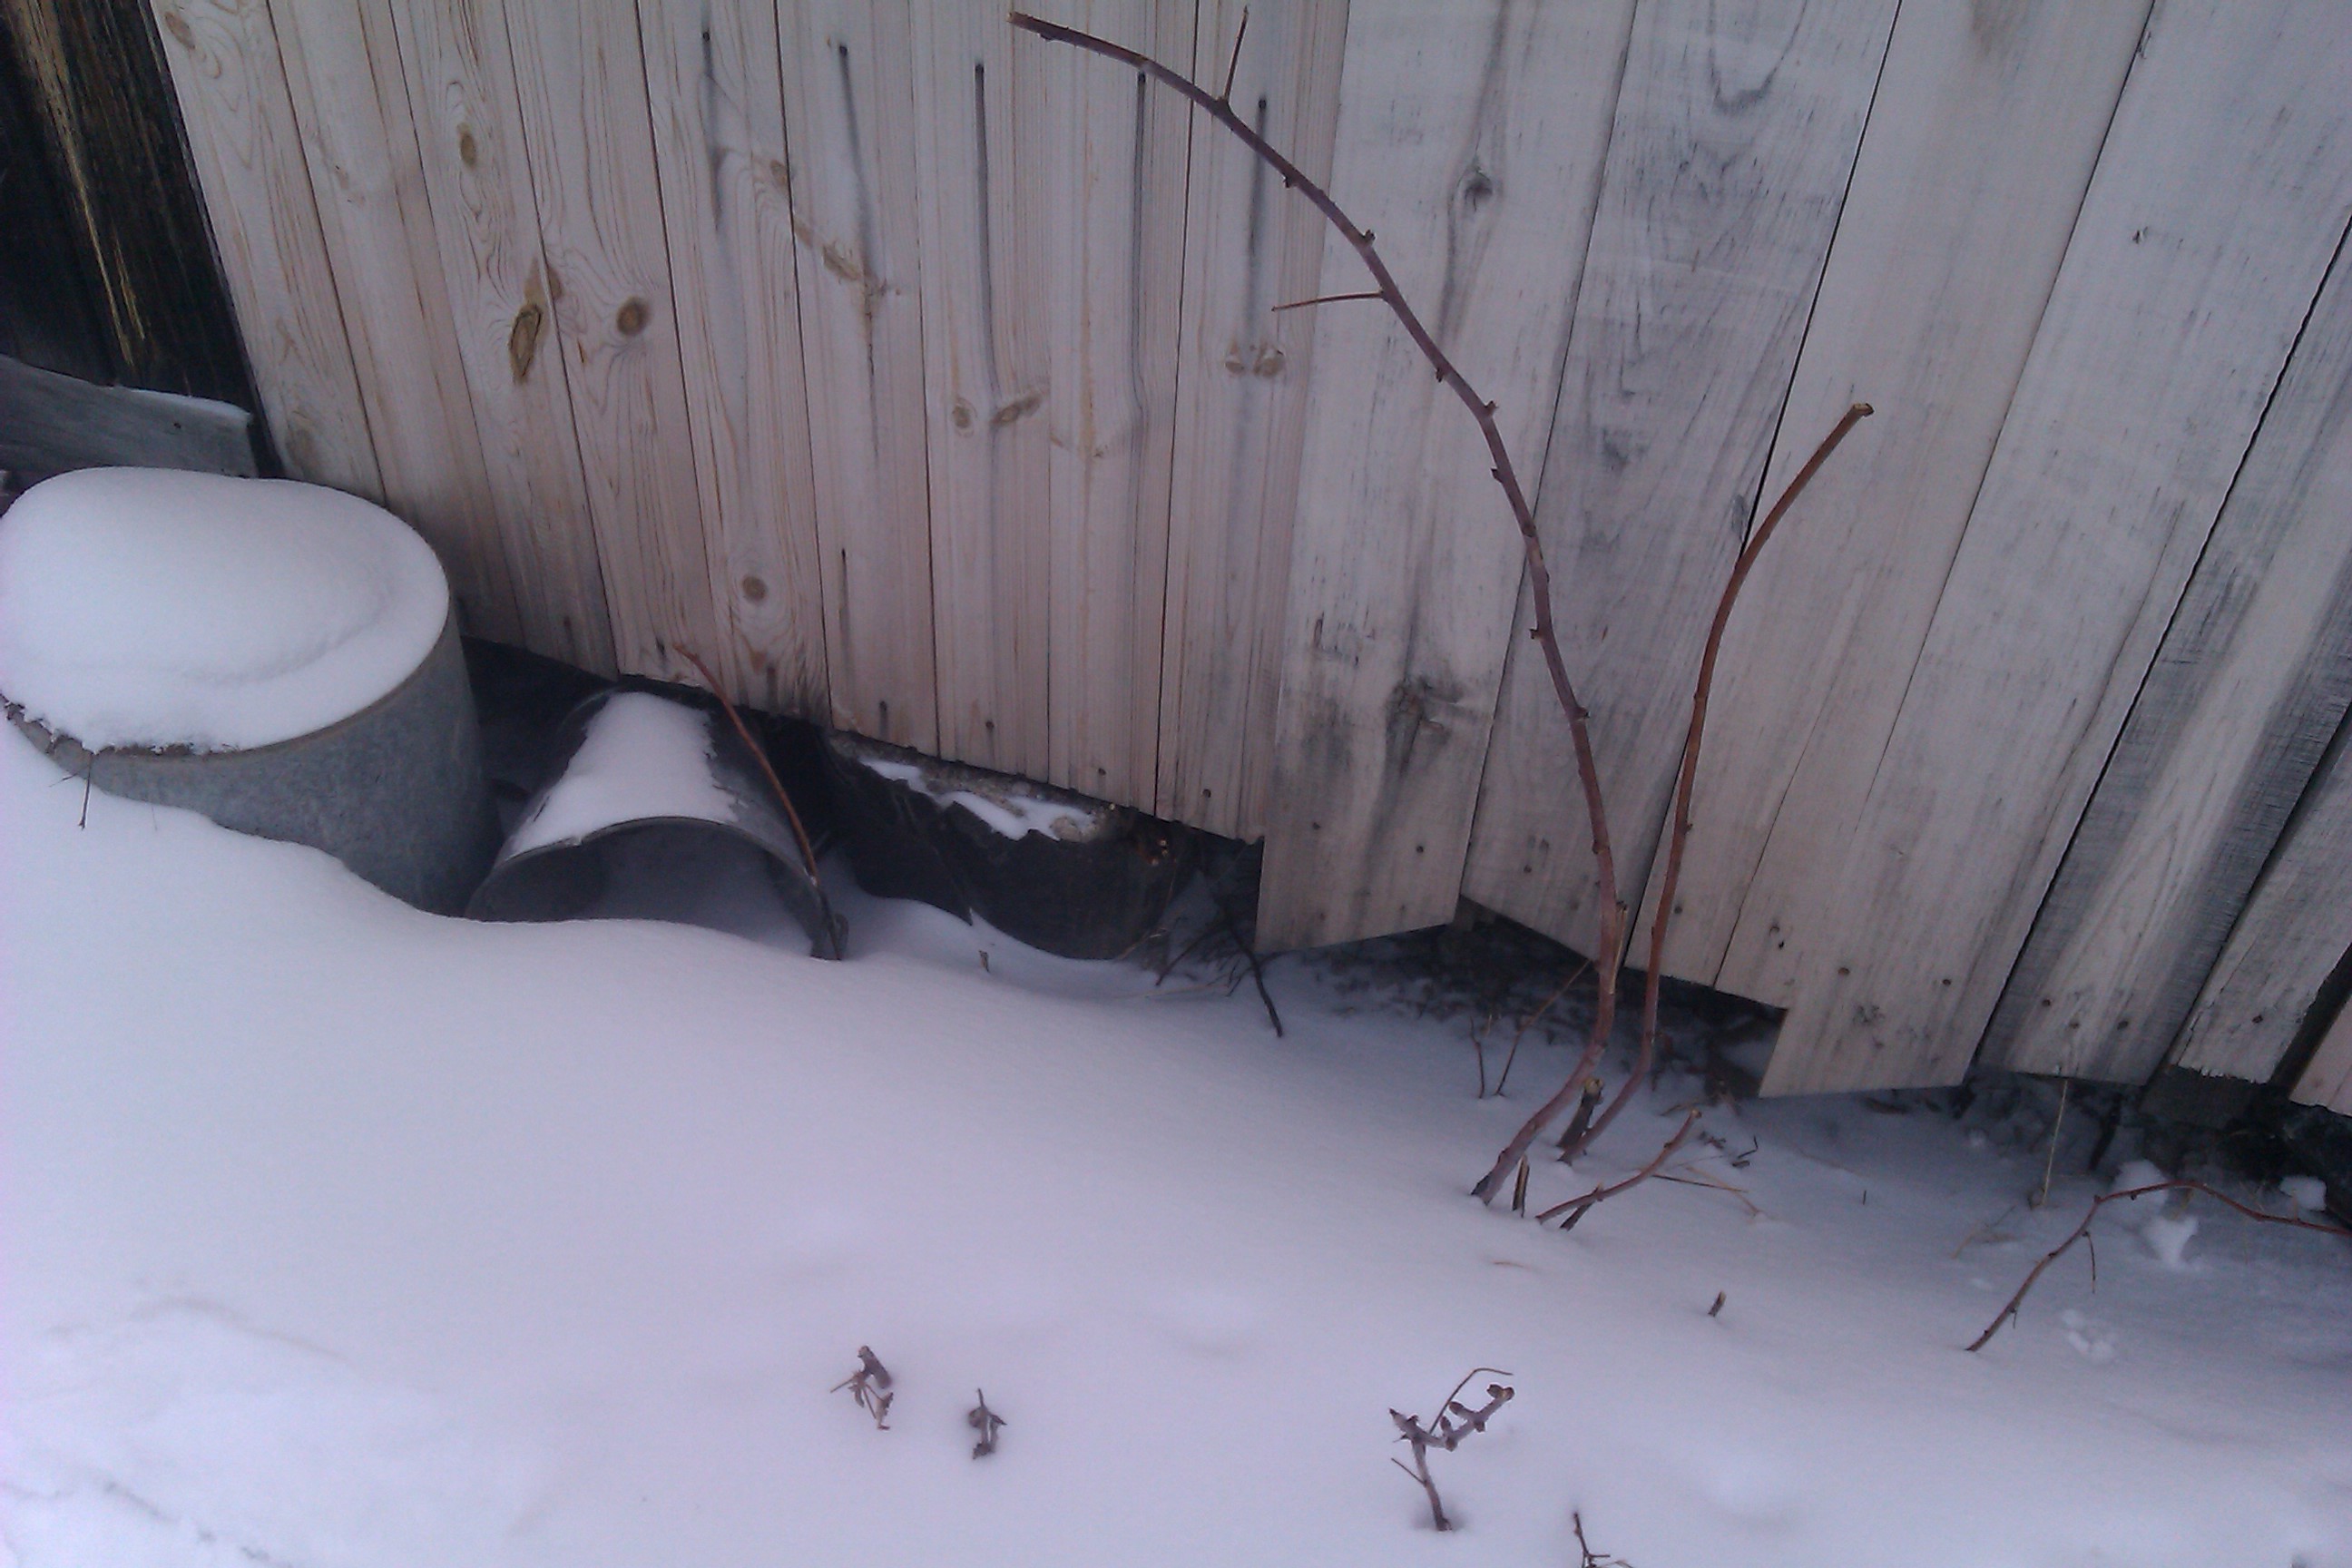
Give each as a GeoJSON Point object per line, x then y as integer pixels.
{"type": "Point", "coordinates": [2009, 1311]}
{"type": "Point", "coordinates": [1687, 776]}
{"type": "Point", "coordinates": [759, 755]}
{"type": "Point", "coordinates": [1612, 914]}
{"type": "Point", "coordinates": [1599, 1194]}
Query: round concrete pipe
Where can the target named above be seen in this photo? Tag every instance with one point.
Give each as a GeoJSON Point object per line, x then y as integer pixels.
{"type": "Point", "coordinates": [396, 792]}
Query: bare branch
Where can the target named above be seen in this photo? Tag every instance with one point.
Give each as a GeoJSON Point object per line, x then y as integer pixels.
{"type": "Point", "coordinates": [1332, 300]}
{"type": "Point", "coordinates": [986, 1422]}
{"type": "Point", "coordinates": [792, 813]}
{"type": "Point", "coordinates": [1454, 1422]}
{"type": "Point", "coordinates": [870, 1386]}
{"type": "Point", "coordinates": [1612, 914]}
{"type": "Point", "coordinates": [2009, 1311]}
{"type": "Point", "coordinates": [1601, 1194]}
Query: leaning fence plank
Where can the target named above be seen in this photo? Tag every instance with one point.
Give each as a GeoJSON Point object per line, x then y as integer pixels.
{"type": "Point", "coordinates": [2253, 679]}
{"type": "Point", "coordinates": [344, 79]}
{"type": "Point", "coordinates": [581, 78]}
{"type": "Point", "coordinates": [1735, 137]}
{"type": "Point", "coordinates": [712, 76]}
{"type": "Point", "coordinates": [2328, 1081]}
{"type": "Point", "coordinates": [461, 99]}
{"type": "Point", "coordinates": [2295, 932]}
{"type": "Point", "coordinates": [1241, 410]}
{"type": "Point", "coordinates": [2223, 187]}
{"type": "Point", "coordinates": [849, 118]}
{"type": "Point", "coordinates": [1470, 141]}
{"type": "Point", "coordinates": [981, 175]}
{"type": "Point", "coordinates": [1980, 147]}
{"type": "Point", "coordinates": [1116, 151]}
{"type": "Point", "coordinates": [247, 147]}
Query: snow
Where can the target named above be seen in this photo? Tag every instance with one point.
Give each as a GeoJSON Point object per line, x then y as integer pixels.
{"type": "Point", "coordinates": [1015, 815]}
{"type": "Point", "coordinates": [2306, 1193]}
{"type": "Point", "coordinates": [334, 1233]}
{"type": "Point", "coordinates": [146, 607]}
{"type": "Point", "coordinates": [643, 758]}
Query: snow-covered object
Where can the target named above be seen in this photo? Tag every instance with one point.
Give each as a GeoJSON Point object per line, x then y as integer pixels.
{"type": "Point", "coordinates": [1011, 812]}
{"type": "Point", "coordinates": [643, 757]}
{"type": "Point", "coordinates": [2308, 1194]}
{"type": "Point", "coordinates": [148, 607]}
{"type": "Point", "coordinates": [2167, 1235]}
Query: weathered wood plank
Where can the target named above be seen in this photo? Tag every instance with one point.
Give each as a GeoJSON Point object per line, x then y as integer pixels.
{"type": "Point", "coordinates": [2295, 930]}
{"type": "Point", "coordinates": [1980, 147]}
{"type": "Point", "coordinates": [1471, 141]}
{"type": "Point", "coordinates": [1241, 408]}
{"type": "Point", "coordinates": [231, 85]}
{"type": "Point", "coordinates": [2223, 187]}
{"type": "Point", "coordinates": [2327, 1079]}
{"type": "Point", "coordinates": [50, 423]}
{"type": "Point", "coordinates": [714, 80]}
{"type": "Point", "coordinates": [849, 118]}
{"type": "Point", "coordinates": [2251, 681]}
{"type": "Point", "coordinates": [980, 172]}
{"type": "Point", "coordinates": [1116, 151]}
{"type": "Point", "coordinates": [1734, 140]}
{"type": "Point", "coordinates": [461, 99]}
{"type": "Point", "coordinates": [581, 79]}
{"type": "Point", "coordinates": [353, 111]}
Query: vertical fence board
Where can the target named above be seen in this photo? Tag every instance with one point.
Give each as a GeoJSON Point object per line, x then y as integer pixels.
{"type": "Point", "coordinates": [581, 78]}
{"type": "Point", "coordinates": [231, 85]}
{"type": "Point", "coordinates": [2250, 682]}
{"type": "Point", "coordinates": [2224, 186]}
{"type": "Point", "coordinates": [344, 75]}
{"type": "Point", "coordinates": [1241, 407]}
{"type": "Point", "coordinates": [1470, 141]}
{"type": "Point", "coordinates": [1980, 147]}
{"type": "Point", "coordinates": [849, 118]}
{"type": "Point", "coordinates": [2328, 1081]}
{"type": "Point", "coordinates": [461, 100]}
{"type": "Point", "coordinates": [712, 75]}
{"type": "Point", "coordinates": [2295, 930]}
{"type": "Point", "coordinates": [986, 370]}
{"type": "Point", "coordinates": [1734, 140]}
{"type": "Point", "coordinates": [1116, 150]}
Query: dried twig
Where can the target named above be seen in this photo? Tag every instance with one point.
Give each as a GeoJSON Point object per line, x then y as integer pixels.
{"type": "Point", "coordinates": [2050, 1162]}
{"type": "Point", "coordinates": [2009, 1311]}
{"type": "Point", "coordinates": [1580, 1206]}
{"type": "Point", "coordinates": [1454, 1422]}
{"type": "Point", "coordinates": [1589, 1558]}
{"type": "Point", "coordinates": [1532, 1019]}
{"type": "Point", "coordinates": [832, 939]}
{"type": "Point", "coordinates": [1573, 1139]}
{"type": "Point", "coordinates": [1686, 779]}
{"type": "Point", "coordinates": [870, 1386]}
{"type": "Point", "coordinates": [1612, 914]}
{"type": "Point", "coordinates": [986, 1422]}
{"type": "Point", "coordinates": [1249, 954]}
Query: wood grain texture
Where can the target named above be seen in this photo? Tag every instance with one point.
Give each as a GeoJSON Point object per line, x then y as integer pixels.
{"type": "Point", "coordinates": [231, 86]}
{"type": "Point", "coordinates": [1116, 151]}
{"type": "Point", "coordinates": [2295, 930]}
{"type": "Point", "coordinates": [849, 118]}
{"type": "Point", "coordinates": [1735, 137]}
{"type": "Point", "coordinates": [2251, 681]}
{"type": "Point", "coordinates": [2327, 1079]}
{"type": "Point", "coordinates": [1471, 141]}
{"type": "Point", "coordinates": [713, 78]}
{"type": "Point", "coordinates": [1241, 410]}
{"type": "Point", "coordinates": [460, 81]}
{"type": "Point", "coordinates": [580, 77]}
{"type": "Point", "coordinates": [981, 172]}
{"type": "Point", "coordinates": [343, 72]}
{"type": "Point", "coordinates": [1980, 145]}
{"type": "Point", "coordinates": [2223, 189]}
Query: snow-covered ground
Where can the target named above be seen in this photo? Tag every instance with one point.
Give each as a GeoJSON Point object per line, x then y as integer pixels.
{"type": "Point", "coordinates": [338, 1234]}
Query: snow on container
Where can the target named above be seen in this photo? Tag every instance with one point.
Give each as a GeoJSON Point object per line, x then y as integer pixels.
{"type": "Point", "coordinates": [641, 778]}
{"type": "Point", "coordinates": [279, 656]}
{"type": "Point", "coordinates": [1063, 873]}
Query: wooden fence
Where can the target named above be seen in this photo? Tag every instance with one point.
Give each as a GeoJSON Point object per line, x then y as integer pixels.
{"type": "Point", "coordinates": [932, 378]}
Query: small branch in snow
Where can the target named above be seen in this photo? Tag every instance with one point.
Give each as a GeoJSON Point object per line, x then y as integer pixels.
{"type": "Point", "coordinates": [1576, 1208]}
{"type": "Point", "coordinates": [1249, 954]}
{"type": "Point", "coordinates": [1720, 1297]}
{"type": "Point", "coordinates": [986, 1422]}
{"type": "Point", "coordinates": [1573, 1139]}
{"type": "Point", "coordinates": [1588, 1557]}
{"type": "Point", "coordinates": [1532, 1019]}
{"type": "Point", "coordinates": [2009, 1311]}
{"type": "Point", "coordinates": [870, 1386]}
{"type": "Point", "coordinates": [2050, 1164]}
{"type": "Point", "coordinates": [1454, 1422]}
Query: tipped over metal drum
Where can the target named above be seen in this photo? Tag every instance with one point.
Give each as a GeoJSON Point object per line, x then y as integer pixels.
{"type": "Point", "coordinates": [642, 780]}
